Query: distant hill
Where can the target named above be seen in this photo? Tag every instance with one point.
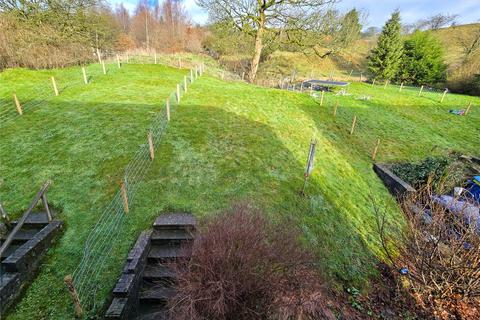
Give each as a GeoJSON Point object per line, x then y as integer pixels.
{"type": "Point", "coordinates": [340, 65]}
{"type": "Point", "coordinates": [450, 39]}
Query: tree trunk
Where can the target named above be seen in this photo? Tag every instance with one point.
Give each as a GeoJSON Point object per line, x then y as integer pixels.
{"type": "Point", "coordinates": [256, 55]}
{"type": "Point", "coordinates": [258, 48]}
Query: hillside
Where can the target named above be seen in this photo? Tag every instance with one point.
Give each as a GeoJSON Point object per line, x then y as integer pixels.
{"type": "Point", "coordinates": [282, 64]}
{"type": "Point", "coordinates": [227, 141]}
{"type": "Point", "coordinates": [450, 38]}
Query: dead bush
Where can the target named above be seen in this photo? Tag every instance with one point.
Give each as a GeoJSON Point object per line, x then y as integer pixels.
{"type": "Point", "coordinates": [245, 267]}
{"type": "Point", "coordinates": [437, 254]}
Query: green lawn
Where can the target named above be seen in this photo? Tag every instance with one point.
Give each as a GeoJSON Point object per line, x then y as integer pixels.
{"type": "Point", "coordinates": [227, 141]}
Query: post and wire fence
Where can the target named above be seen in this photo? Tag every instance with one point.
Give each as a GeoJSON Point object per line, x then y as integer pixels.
{"type": "Point", "coordinates": [84, 283]}
{"type": "Point", "coordinates": [23, 98]}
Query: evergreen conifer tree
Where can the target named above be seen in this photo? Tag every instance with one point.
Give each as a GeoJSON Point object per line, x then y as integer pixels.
{"type": "Point", "coordinates": [384, 60]}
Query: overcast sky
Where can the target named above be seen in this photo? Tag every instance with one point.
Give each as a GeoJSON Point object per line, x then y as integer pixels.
{"type": "Point", "coordinates": [378, 10]}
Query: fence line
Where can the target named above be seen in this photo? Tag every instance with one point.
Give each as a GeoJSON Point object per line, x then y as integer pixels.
{"type": "Point", "coordinates": [100, 241]}
{"type": "Point", "coordinates": [43, 92]}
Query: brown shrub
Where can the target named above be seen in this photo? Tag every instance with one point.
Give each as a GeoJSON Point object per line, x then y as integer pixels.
{"type": "Point", "coordinates": [440, 254]}
{"type": "Point", "coordinates": [245, 267]}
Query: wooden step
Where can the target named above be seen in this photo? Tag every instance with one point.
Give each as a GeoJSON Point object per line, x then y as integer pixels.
{"type": "Point", "coordinates": [163, 253]}
{"type": "Point", "coordinates": [22, 235]}
{"type": "Point", "coordinates": [11, 248]}
{"type": "Point", "coordinates": [151, 311]}
{"type": "Point", "coordinates": [157, 294]}
{"type": "Point", "coordinates": [175, 221]}
{"type": "Point", "coordinates": [35, 219]}
{"type": "Point", "coordinates": [164, 236]}
{"type": "Point", "coordinates": [158, 272]}
{"type": "Point", "coordinates": [159, 315]}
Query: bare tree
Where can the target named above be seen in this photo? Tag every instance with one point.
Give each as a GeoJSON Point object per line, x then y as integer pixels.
{"type": "Point", "coordinates": [436, 22]}
{"type": "Point", "coordinates": [470, 43]}
{"type": "Point", "coordinates": [256, 17]}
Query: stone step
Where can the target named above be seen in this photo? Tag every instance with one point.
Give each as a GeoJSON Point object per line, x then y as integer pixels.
{"type": "Point", "coordinates": [22, 235]}
{"type": "Point", "coordinates": [11, 249]}
{"type": "Point", "coordinates": [175, 221]}
{"type": "Point", "coordinates": [164, 236]}
{"type": "Point", "coordinates": [164, 253]}
{"type": "Point", "coordinates": [157, 294]}
{"type": "Point", "coordinates": [35, 219]}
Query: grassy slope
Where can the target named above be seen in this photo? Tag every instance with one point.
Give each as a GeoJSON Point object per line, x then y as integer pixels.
{"type": "Point", "coordinates": [226, 142]}
{"type": "Point", "coordinates": [82, 140]}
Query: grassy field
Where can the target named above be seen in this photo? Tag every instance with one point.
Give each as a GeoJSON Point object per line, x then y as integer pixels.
{"type": "Point", "coordinates": [227, 141]}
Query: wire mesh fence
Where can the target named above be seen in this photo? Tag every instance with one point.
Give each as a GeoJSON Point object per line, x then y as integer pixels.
{"type": "Point", "coordinates": [33, 95]}
{"type": "Point", "coordinates": [100, 242]}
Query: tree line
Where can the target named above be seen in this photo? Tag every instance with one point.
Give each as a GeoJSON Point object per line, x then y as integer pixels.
{"type": "Point", "coordinates": [57, 33]}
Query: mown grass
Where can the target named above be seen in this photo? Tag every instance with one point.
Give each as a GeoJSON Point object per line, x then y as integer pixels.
{"type": "Point", "coordinates": [227, 141]}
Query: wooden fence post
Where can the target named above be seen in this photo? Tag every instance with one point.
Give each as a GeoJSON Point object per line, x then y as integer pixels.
{"type": "Point", "coordinates": [155, 57]}
{"type": "Point", "coordinates": [354, 122]}
{"type": "Point", "coordinates": [118, 62]}
{"type": "Point", "coordinates": [468, 108]}
{"type": "Point", "coordinates": [373, 82]}
{"type": "Point", "coordinates": [443, 96]}
{"type": "Point", "coordinates": [185, 83]}
{"type": "Point", "coordinates": [349, 75]}
{"type": "Point", "coordinates": [123, 190]}
{"type": "Point", "coordinates": [167, 106]}
{"type": "Point", "coordinates": [386, 84]}
{"type": "Point", "coordinates": [150, 145]}
{"type": "Point", "coordinates": [178, 93]}
{"type": "Point", "coordinates": [196, 72]}
{"type": "Point", "coordinates": [420, 92]}
{"type": "Point", "coordinates": [401, 87]}
{"type": "Point", "coordinates": [103, 67]}
{"type": "Point", "coordinates": [99, 56]}
{"type": "Point", "coordinates": [73, 293]}
{"type": "Point", "coordinates": [243, 75]}
{"type": "Point", "coordinates": [361, 77]}
{"type": "Point", "coordinates": [223, 74]}
{"type": "Point", "coordinates": [84, 75]}
{"type": "Point", "coordinates": [335, 109]}
{"type": "Point", "coordinates": [128, 58]}
{"type": "Point", "coordinates": [191, 76]}
{"type": "Point", "coordinates": [17, 104]}
{"type": "Point", "coordinates": [179, 63]}
{"type": "Point", "coordinates": [321, 98]}
{"type": "Point", "coordinates": [55, 90]}
{"type": "Point", "coordinates": [301, 87]}
{"type": "Point", "coordinates": [375, 150]}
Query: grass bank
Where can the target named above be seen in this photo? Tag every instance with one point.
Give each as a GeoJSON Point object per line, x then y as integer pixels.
{"type": "Point", "coordinates": [227, 141]}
